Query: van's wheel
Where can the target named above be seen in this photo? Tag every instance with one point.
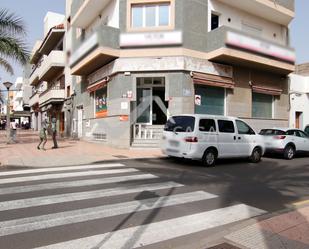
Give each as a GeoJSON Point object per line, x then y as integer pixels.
{"type": "Point", "coordinates": [209, 158]}
{"type": "Point", "coordinates": [256, 155]}
{"type": "Point", "coordinates": [289, 152]}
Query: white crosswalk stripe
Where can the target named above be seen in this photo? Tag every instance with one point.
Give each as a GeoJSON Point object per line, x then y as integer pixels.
{"type": "Point", "coordinates": [89, 200]}
{"type": "Point", "coordinates": [62, 198]}
{"type": "Point", "coordinates": [65, 175]}
{"type": "Point", "coordinates": [152, 233]}
{"type": "Point", "coordinates": [87, 214]}
{"type": "Point", "coordinates": [86, 167]}
{"type": "Point", "coordinates": [79, 183]}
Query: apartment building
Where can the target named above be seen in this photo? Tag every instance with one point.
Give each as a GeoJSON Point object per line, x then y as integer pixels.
{"type": "Point", "coordinates": [50, 87]}
{"type": "Point", "coordinates": [138, 62]}
{"type": "Point", "coordinates": [299, 97]}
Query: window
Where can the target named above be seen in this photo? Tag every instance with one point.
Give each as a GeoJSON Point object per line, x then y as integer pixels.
{"type": "Point", "coordinates": [243, 128]}
{"type": "Point", "coordinates": [180, 124]}
{"type": "Point", "coordinates": [68, 91]}
{"type": "Point", "coordinates": [272, 132]}
{"type": "Point", "coordinates": [212, 100]}
{"type": "Point", "coordinates": [302, 134]}
{"type": "Point", "coordinates": [226, 126]}
{"type": "Point", "coordinates": [150, 15]}
{"type": "Point", "coordinates": [207, 125]}
{"type": "Point", "coordinates": [262, 105]}
{"type": "Point", "coordinates": [101, 103]}
{"type": "Point", "coordinates": [214, 21]}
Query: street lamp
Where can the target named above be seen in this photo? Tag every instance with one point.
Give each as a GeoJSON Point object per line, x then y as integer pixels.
{"type": "Point", "coordinates": [8, 85]}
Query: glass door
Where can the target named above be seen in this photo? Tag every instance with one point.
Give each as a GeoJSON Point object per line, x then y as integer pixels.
{"type": "Point", "coordinates": [144, 105]}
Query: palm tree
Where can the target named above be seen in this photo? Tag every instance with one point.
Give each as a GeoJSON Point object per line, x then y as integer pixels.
{"type": "Point", "coordinates": [12, 45]}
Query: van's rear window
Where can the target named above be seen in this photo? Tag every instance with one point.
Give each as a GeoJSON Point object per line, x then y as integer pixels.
{"type": "Point", "coordinates": [180, 124]}
{"type": "Point", "coordinates": [272, 132]}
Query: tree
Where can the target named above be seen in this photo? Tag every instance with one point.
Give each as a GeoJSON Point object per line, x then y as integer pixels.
{"type": "Point", "coordinates": [12, 45]}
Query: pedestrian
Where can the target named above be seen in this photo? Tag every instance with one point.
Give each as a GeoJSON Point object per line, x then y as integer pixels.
{"type": "Point", "coordinates": [13, 131]}
{"type": "Point", "coordinates": [43, 135]}
{"type": "Point", "coordinates": [54, 132]}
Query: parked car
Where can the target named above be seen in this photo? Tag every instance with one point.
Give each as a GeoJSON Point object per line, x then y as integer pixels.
{"type": "Point", "coordinates": [287, 142]}
{"type": "Point", "coordinates": [307, 129]}
{"type": "Point", "coordinates": [208, 137]}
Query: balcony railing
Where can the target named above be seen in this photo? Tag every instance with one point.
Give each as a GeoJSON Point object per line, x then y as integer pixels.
{"type": "Point", "coordinates": [54, 94]}
{"type": "Point", "coordinates": [105, 37]}
{"type": "Point", "coordinates": [34, 99]}
{"type": "Point", "coordinates": [226, 37]}
{"type": "Point", "coordinates": [84, 11]}
{"type": "Point", "coordinates": [51, 65]}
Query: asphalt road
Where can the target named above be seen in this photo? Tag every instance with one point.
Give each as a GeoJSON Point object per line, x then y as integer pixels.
{"type": "Point", "coordinates": [153, 203]}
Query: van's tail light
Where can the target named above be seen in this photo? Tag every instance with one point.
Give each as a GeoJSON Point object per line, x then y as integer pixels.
{"type": "Point", "coordinates": [280, 137]}
{"type": "Point", "coordinates": [191, 139]}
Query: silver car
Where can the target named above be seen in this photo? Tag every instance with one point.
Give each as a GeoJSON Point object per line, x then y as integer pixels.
{"type": "Point", "coordinates": [285, 141]}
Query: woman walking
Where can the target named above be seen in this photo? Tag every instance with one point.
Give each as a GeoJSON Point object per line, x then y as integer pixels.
{"type": "Point", "coordinates": [43, 135]}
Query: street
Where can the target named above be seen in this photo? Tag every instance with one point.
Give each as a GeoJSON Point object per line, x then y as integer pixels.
{"type": "Point", "coordinates": [149, 203]}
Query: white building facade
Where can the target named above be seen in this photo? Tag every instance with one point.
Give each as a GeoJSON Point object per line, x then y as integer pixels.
{"type": "Point", "coordinates": [299, 97]}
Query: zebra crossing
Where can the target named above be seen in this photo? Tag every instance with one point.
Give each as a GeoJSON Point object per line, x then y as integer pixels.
{"type": "Point", "coordinates": [104, 206]}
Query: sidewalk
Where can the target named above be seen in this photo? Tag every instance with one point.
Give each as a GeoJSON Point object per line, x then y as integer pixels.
{"type": "Point", "coordinates": [70, 152]}
{"type": "Point", "coordinates": [289, 230]}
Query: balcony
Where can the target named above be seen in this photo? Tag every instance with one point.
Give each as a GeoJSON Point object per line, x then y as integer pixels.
{"type": "Point", "coordinates": [52, 65]}
{"type": "Point", "coordinates": [19, 83]}
{"type": "Point", "coordinates": [230, 46]}
{"type": "Point", "coordinates": [34, 76]}
{"type": "Point", "coordinates": [278, 11]}
{"type": "Point", "coordinates": [19, 95]}
{"type": "Point", "coordinates": [34, 99]}
{"type": "Point", "coordinates": [52, 95]}
{"type": "Point", "coordinates": [84, 11]}
{"type": "Point", "coordinates": [99, 49]}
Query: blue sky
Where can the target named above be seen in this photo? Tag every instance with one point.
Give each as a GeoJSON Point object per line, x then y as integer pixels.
{"type": "Point", "coordinates": [33, 12]}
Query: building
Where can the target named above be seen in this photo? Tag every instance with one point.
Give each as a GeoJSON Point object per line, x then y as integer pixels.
{"type": "Point", "coordinates": [50, 86]}
{"type": "Point", "coordinates": [299, 97]}
{"type": "Point", "coordinates": [135, 63]}
{"type": "Point", "coordinates": [19, 114]}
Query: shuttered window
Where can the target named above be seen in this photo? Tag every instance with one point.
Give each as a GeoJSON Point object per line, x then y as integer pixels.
{"type": "Point", "coordinates": [212, 100]}
{"type": "Point", "coordinates": [262, 105]}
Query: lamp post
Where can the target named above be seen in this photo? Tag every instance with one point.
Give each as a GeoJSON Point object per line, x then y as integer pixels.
{"type": "Point", "coordinates": [8, 85]}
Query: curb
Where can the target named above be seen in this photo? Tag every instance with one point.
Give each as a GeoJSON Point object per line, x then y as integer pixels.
{"type": "Point", "coordinates": [7, 166]}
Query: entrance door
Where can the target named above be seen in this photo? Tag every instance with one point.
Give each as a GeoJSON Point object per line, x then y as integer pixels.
{"type": "Point", "coordinates": [298, 116]}
{"type": "Point", "coordinates": [159, 106]}
{"type": "Point", "coordinates": [80, 122]}
{"type": "Point", "coordinates": [144, 105]}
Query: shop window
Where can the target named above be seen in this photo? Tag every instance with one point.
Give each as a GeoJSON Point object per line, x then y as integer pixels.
{"type": "Point", "coordinates": [150, 15]}
{"type": "Point", "coordinates": [214, 21]}
{"type": "Point", "coordinates": [209, 100]}
{"type": "Point", "coordinates": [101, 103]}
{"type": "Point", "coordinates": [262, 105]}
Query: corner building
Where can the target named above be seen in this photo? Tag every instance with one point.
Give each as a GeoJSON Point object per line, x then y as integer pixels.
{"type": "Point", "coordinates": [138, 62]}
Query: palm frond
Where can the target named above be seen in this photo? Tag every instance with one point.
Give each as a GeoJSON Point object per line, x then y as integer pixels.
{"type": "Point", "coordinates": [14, 48]}
{"type": "Point", "coordinates": [7, 66]}
{"type": "Point", "coordinates": [10, 23]}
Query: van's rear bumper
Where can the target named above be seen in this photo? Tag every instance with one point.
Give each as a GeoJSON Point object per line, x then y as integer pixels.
{"type": "Point", "coordinates": [177, 153]}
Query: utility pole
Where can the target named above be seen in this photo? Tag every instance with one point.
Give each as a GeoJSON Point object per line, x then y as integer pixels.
{"type": "Point", "coordinates": [8, 85]}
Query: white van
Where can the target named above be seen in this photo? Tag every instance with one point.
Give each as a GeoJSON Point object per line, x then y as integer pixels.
{"type": "Point", "coordinates": [208, 137]}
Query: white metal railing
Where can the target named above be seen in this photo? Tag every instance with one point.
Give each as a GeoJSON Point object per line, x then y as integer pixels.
{"type": "Point", "coordinates": [147, 132]}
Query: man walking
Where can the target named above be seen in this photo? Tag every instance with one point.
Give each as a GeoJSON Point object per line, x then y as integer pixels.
{"type": "Point", "coordinates": [54, 132]}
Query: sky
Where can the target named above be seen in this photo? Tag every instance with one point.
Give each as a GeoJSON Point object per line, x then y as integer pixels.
{"type": "Point", "coordinates": [34, 11]}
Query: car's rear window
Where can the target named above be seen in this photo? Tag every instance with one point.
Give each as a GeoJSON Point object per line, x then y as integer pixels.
{"type": "Point", "coordinates": [272, 132]}
{"type": "Point", "coordinates": [180, 124]}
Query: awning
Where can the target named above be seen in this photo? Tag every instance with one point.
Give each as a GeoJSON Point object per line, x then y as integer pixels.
{"type": "Point", "coordinates": [266, 90]}
{"type": "Point", "coordinates": [97, 86]}
{"type": "Point", "coordinates": [212, 80]}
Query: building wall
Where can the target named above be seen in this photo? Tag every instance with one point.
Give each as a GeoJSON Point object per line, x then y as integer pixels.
{"type": "Point", "coordinates": [299, 99]}
{"type": "Point", "coordinates": [51, 20]}
{"type": "Point", "coordinates": [239, 17]}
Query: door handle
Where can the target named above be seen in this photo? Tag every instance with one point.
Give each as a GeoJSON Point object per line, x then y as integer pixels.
{"type": "Point", "coordinates": [239, 138]}
{"type": "Point", "coordinates": [234, 137]}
